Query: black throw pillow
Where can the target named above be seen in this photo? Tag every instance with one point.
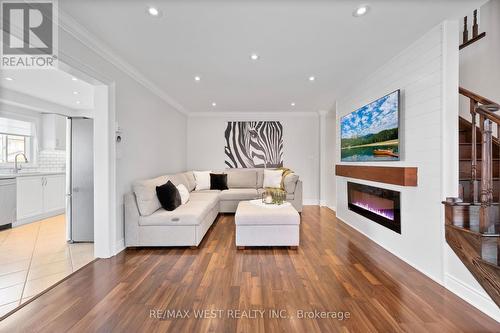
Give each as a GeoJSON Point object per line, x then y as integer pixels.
{"type": "Point", "coordinates": [218, 181]}
{"type": "Point", "coordinates": [169, 196]}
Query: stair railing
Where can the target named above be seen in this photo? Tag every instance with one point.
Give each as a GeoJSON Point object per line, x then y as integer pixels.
{"type": "Point", "coordinates": [483, 195]}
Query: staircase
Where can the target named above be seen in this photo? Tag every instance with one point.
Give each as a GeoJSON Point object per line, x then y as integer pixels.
{"type": "Point", "coordinates": [472, 221]}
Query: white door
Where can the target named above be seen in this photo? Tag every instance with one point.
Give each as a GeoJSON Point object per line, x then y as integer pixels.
{"type": "Point", "coordinates": [54, 193]}
{"type": "Point", "coordinates": [29, 196]}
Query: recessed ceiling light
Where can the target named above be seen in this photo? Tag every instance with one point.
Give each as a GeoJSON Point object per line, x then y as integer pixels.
{"type": "Point", "coordinates": [74, 79]}
{"type": "Point", "coordinates": [292, 104]}
{"type": "Point", "coordinates": [254, 56]}
{"type": "Point", "coordinates": [312, 78]}
{"type": "Point", "coordinates": [75, 92]}
{"type": "Point", "coordinates": [9, 78]}
{"type": "Point", "coordinates": [153, 11]}
{"type": "Point", "coordinates": [214, 104]}
{"type": "Point", "coordinates": [360, 11]}
{"type": "Point", "coordinates": [77, 102]}
{"type": "Point", "coordinates": [197, 78]}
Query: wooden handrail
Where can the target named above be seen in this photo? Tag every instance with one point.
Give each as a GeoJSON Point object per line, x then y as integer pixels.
{"type": "Point", "coordinates": [489, 115]}
{"type": "Point", "coordinates": [475, 97]}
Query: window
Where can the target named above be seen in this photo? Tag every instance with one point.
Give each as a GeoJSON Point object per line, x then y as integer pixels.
{"type": "Point", "coordinates": [15, 138]}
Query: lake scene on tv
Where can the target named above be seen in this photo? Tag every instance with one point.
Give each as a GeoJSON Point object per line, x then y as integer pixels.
{"type": "Point", "coordinates": [371, 133]}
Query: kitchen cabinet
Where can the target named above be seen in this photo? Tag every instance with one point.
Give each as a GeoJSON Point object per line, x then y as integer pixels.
{"type": "Point", "coordinates": [40, 195]}
{"type": "Point", "coordinates": [54, 193]}
{"type": "Point", "coordinates": [29, 197]}
{"type": "Point", "coordinates": [54, 132]}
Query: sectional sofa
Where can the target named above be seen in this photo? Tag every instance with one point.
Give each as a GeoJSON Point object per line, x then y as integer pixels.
{"type": "Point", "coordinates": [147, 224]}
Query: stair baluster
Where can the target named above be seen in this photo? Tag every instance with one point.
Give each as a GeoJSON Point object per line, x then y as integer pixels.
{"type": "Point", "coordinates": [474, 183]}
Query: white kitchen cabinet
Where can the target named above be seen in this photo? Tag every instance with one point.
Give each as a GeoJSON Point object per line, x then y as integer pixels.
{"type": "Point", "coordinates": [39, 196]}
{"type": "Point", "coordinates": [54, 193]}
{"type": "Point", "coordinates": [29, 197]}
{"type": "Point", "coordinates": [54, 132]}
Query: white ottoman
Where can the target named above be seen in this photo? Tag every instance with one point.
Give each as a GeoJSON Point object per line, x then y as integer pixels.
{"type": "Point", "coordinates": [260, 225]}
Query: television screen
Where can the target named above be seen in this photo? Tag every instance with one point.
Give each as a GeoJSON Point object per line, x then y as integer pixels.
{"type": "Point", "coordinates": [371, 133]}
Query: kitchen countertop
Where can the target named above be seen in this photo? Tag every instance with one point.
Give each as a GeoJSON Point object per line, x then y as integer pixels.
{"type": "Point", "coordinates": [28, 174]}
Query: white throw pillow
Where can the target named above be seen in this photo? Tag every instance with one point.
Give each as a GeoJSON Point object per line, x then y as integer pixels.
{"type": "Point", "coordinates": [202, 180]}
{"type": "Point", "coordinates": [272, 178]}
{"type": "Point", "coordinates": [183, 191]}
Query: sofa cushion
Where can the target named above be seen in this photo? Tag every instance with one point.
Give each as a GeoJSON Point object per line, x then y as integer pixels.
{"type": "Point", "coordinates": [239, 194]}
{"type": "Point", "coordinates": [145, 193]}
{"type": "Point", "coordinates": [260, 178]}
{"type": "Point", "coordinates": [169, 196]}
{"type": "Point", "coordinates": [272, 178]}
{"type": "Point", "coordinates": [207, 191]}
{"type": "Point", "coordinates": [218, 181]}
{"type": "Point", "coordinates": [191, 182]}
{"type": "Point", "coordinates": [178, 178]}
{"type": "Point", "coordinates": [241, 178]}
{"type": "Point", "coordinates": [184, 192]}
{"type": "Point", "coordinates": [290, 182]}
{"type": "Point", "coordinates": [202, 180]}
{"type": "Point", "coordinates": [192, 213]}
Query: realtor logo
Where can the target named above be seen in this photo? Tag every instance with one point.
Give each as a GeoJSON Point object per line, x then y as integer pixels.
{"type": "Point", "coordinates": [29, 34]}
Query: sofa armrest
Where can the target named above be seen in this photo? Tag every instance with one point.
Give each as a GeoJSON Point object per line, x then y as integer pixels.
{"type": "Point", "coordinates": [131, 220]}
{"type": "Point", "coordinates": [297, 196]}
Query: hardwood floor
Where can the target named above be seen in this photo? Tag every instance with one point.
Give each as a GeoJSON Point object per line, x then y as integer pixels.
{"type": "Point", "coordinates": [335, 269]}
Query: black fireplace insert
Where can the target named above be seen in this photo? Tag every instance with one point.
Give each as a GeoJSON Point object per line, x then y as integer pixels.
{"type": "Point", "coordinates": [377, 204]}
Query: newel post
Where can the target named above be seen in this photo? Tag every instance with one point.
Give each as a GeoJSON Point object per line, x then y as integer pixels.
{"type": "Point", "coordinates": [485, 213]}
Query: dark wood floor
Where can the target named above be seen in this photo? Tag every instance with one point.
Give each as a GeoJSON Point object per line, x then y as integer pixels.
{"type": "Point", "coordinates": [335, 269]}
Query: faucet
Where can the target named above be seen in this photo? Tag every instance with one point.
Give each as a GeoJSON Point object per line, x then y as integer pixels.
{"type": "Point", "coordinates": [17, 166]}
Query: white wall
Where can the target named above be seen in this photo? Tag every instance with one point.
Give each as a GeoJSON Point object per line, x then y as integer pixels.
{"type": "Point", "coordinates": [154, 133]}
{"type": "Point", "coordinates": [418, 72]}
{"type": "Point", "coordinates": [206, 143]}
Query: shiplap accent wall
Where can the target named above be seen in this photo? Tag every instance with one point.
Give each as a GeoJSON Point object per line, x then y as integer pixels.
{"type": "Point", "coordinates": [417, 71]}
{"type": "Point", "coordinates": [427, 74]}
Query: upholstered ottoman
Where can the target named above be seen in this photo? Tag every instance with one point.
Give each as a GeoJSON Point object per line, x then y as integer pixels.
{"type": "Point", "coordinates": [258, 224]}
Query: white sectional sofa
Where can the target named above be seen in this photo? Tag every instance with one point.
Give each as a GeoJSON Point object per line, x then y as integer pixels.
{"type": "Point", "coordinates": [147, 224]}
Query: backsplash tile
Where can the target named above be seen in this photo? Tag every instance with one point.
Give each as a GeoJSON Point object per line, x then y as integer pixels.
{"type": "Point", "coordinates": [52, 161]}
{"type": "Point", "coordinates": [48, 161]}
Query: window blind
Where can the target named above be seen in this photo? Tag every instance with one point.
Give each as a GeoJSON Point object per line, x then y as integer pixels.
{"type": "Point", "coordinates": [16, 127]}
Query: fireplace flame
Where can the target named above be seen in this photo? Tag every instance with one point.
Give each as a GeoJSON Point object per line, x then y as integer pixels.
{"type": "Point", "coordinates": [387, 213]}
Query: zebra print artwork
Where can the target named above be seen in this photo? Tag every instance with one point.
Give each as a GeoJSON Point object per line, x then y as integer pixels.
{"type": "Point", "coordinates": [254, 144]}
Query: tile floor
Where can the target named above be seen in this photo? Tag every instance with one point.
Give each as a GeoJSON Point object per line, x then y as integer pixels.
{"type": "Point", "coordinates": [35, 256]}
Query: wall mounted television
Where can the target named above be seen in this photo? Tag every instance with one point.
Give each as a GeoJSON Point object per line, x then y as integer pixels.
{"type": "Point", "coordinates": [371, 133]}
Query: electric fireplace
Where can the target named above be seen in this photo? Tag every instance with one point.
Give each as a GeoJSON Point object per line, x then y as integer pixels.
{"type": "Point", "coordinates": [377, 204]}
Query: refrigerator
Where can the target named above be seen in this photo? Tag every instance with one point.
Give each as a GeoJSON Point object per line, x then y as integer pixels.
{"type": "Point", "coordinates": [80, 180]}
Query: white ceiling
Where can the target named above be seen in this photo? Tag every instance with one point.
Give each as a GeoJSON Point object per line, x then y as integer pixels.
{"type": "Point", "coordinates": [53, 85]}
{"type": "Point", "coordinates": [294, 39]}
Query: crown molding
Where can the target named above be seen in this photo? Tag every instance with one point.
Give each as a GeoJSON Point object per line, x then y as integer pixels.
{"type": "Point", "coordinates": [78, 31]}
{"type": "Point", "coordinates": [252, 115]}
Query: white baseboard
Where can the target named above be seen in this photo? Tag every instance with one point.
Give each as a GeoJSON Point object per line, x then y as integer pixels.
{"type": "Point", "coordinates": [472, 296]}
{"type": "Point", "coordinates": [119, 246]}
{"type": "Point", "coordinates": [38, 217]}
{"type": "Point", "coordinates": [307, 202]}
